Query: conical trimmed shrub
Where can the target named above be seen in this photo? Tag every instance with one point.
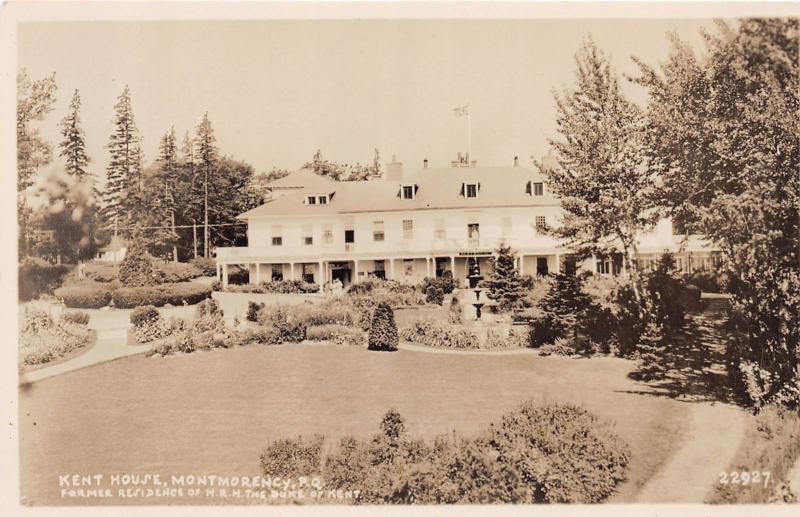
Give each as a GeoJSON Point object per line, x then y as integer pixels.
{"type": "Point", "coordinates": [383, 330]}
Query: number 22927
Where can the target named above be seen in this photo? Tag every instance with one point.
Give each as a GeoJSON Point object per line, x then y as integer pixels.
{"type": "Point", "coordinates": [744, 477]}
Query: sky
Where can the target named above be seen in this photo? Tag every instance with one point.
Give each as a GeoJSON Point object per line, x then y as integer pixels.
{"type": "Point", "coordinates": [276, 91]}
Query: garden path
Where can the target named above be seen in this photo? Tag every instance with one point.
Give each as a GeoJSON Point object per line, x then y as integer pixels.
{"type": "Point", "coordinates": [432, 350]}
{"type": "Point", "coordinates": [111, 344]}
{"type": "Point", "coordinates": [794, 478]}
{"type": "Point", "coordinates": [715, 433]}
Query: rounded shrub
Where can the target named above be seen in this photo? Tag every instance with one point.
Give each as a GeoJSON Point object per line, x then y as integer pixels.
{"type": "Point", "coordinates": [78, 317]}
{"type": "Point", "coordinates": [383, 329]}
{"type": "Point", "coordinates": [143, 315]}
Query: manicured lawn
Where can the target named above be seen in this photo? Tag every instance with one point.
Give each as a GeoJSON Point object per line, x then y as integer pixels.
{"type": "Point", "coordinates": [211, 413]}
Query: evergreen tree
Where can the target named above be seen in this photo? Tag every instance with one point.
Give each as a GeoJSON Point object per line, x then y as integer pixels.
{"type": "Point", "coordinates": [651, 344]}
{"type": "Point", "coordinates": [505, 284]}
{"type": "Point", "coordinates": [605, 189]}
{"type": "Point", "coordinates": [73, 147]}
{"type": "Point", "coordinates": [136, 269]}
{"type": "Point", "coordinates": [168, 177]}
{"type": "Point", "coordinates": [565, 304]}
{"type": "Point", "coordinates": [207, 154]}
{"type": "Point", "coordinates": [124, 172]}
{"type": "Point", "coordinates": [383, 330]}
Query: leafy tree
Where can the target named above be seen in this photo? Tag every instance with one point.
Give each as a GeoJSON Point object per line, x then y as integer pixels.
{"type": "Point", "coordinates": [505, 284]}
{"type": "Point", "coordinates": [69, 213]}
{"type": "Point", "coordinates": [35, 99]}
{"type": "Point", "coordinates": [344, 172]}
{"type": "Point", "coordinates": [207, 153]}
{"type": "Point", "coordinates": [383, 330]}
{"type": "Point", "coordinates": [73, 147]}
{"type": "Point", "coordinates": [122, 196]}
{"type": "Point", "coordinates": [723, 133]}
{"type": "Point", "coordinates": [605, 188]}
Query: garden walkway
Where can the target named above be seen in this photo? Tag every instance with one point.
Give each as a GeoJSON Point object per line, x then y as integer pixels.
{"type": "Point", "coordinates": [111, 344]}
{"type": "Point", "coordinates": [714, 436]}
{"type": "Point", "coordinates": [433, 350]}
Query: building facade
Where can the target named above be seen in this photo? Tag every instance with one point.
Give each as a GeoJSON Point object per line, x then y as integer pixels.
{"type": "Point", "coordinates": [411, 226]}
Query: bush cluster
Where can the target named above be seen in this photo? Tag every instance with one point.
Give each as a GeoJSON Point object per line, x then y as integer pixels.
{"type": "Point", "coordinates": [207, 266]}
{"type": "Point", "coordinates": [290, 327]}
{"type": "Point", "coordinates": [77, 317]}
{"type": "Point", "coordinates": [510, 339]}
{"type": "Point", "coordinates": [558, 453]}
{"type": "Point", "coordinates": [36, 277]}
{"type": "Point", "coordinates": [431, 333]}
{"type": "Point", "coordinates": [136, 269]}
{"type": "Point", "coordinates": [336, 334]}
{"type": "Point", "coordinates": [282, 287]}
{"type": "Point", "coordinates": [174, 272]}
{"type": "Point", "coordinates": [435, 288]}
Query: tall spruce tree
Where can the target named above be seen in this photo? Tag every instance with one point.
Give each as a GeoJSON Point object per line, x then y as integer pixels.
{"type": "Point", "coordinates": [73, 147]}
{"type": "Point", "coordinates": [605, 189]}
{"type": "Point", "coordinates": [124, 172]}
{"type": "Point", "coordinates": [505, 284]}
{"type": "Point", "coordinates": [206, 156]}
{"type": "Point", "coordinates": [167, 177]}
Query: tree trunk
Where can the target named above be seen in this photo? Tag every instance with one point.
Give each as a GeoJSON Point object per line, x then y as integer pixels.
{"type": "Point", "coordinates": [174, 236]}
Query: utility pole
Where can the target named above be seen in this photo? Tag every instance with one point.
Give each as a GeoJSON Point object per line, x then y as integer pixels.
{"type": "Point", "coordinates": [194, 235]}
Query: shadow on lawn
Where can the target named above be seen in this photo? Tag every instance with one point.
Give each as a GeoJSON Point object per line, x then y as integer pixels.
{"type": "Point", "coordinates": [695, 362]}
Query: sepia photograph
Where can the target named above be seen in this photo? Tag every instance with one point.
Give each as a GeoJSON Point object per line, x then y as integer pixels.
{"type": "Point", "coordinates": [311, 257]}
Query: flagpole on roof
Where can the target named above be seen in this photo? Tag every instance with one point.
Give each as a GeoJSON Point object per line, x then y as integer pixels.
{"type": "Point", "coordinates": [469, 135]}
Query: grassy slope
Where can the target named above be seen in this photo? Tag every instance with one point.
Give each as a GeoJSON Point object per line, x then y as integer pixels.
{"type": "Point", "coordinates": [213, 412]}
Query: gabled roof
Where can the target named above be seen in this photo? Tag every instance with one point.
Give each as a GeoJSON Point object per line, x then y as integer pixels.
{"type": "Point", "coordinates": [303, 178]}
{"type": "Point", "coordinates": [436, 189]}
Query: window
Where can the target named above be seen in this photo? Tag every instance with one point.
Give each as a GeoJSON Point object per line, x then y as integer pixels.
{"type": "Point", "coordinates": [541, 223]}
{"type": "Point", "coordinates": [538, 189]}
{"type": "Point", "coordinates": [377, 231]}
{"type": "Point", "coordinates": [308, 241]}
{"type": "Point", "coordinates": [308, 235]}
{"type": "Point", "coordinates": [308, 273]}
{"type": "Point", "coordinates": [277, 272]}
{"type": "Point", "coordinates": [408, 191]}
{"type": "Point", "coordinates": [471, 190]}
{"type": "Point", "coordinates": [408, 229]}
{"type": "Point", "coordinates": [311, 200]}
{"type": "Point", "coordinates": [323, 200]}
{"type": "Point", "coordinates": [439, 231]}
{"type": "Point", "coordinates": [277, 238]}
{"type": "Point", "coordinates": [327, 234]}
{"type": "Point", "coordinates": [473, 230]}
{"type": "Point", "coordinates": [408, 267]}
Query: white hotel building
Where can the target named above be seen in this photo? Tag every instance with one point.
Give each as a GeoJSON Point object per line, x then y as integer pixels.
{"type": "Point", "coordinates": [409, 226]}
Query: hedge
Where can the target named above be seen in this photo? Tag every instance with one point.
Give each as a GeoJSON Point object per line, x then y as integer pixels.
{"type": "Point", "coordinates": [187, 293]}
{"type": "Point", "coordinates": [84, 296]}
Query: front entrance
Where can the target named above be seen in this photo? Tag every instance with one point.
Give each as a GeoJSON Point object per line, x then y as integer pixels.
{"type": "Point", "coordinates": [341, 271]}
{"type": "Point", "coordinates": [541, 266]}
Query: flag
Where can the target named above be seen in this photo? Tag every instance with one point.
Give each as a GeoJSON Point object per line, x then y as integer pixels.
{"type": "Point", "coordinates": [463, 110]}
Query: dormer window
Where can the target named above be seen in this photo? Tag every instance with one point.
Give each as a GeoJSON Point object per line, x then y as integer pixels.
{"type": "Point", "coordinates": [534, 188]}
{"type": "Point", "coordinates": [470, 190]}
{"type": "Point", "coordinates": [408, 192]}
{"type": "Point", "coordinates": [317, 200]}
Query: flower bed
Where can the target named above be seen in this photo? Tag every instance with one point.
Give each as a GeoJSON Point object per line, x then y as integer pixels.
{"type": "Point", "coordinates": [43, 340]}
{"type": "Point", "coordinates": [283, 287]}
{"type": "Point", "coordinates": [430, 333]}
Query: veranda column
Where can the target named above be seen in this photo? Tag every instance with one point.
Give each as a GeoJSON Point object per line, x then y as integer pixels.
{"type": "Point", "coordinates": [391, 269]}
{"type": "Point", "coordinates": [453, 266]}
{"type": "Point", "coordinates": [594, 263]}
{"type": "Point", "coordinates": [224, 275]}
{"type": "Point", "coordinates": [258, 273]}
{"type": "Point", "coordinates": [355, 270]}
{"type": "Point", "coordinates": [320, 278]}
{"type": "Point", "coordinates": [558, 263]}
{"type": "Point", "coordinates": [291, 272]}
{"type": "Point", "coordinates": [522, 265]}
{"type": "Point", "coordinates": [219, 272]}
